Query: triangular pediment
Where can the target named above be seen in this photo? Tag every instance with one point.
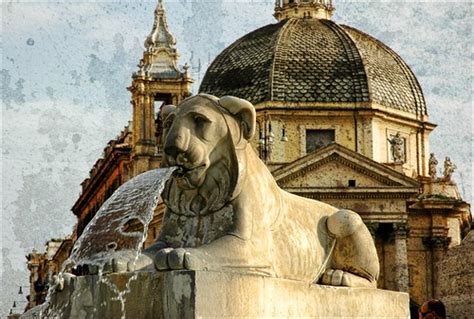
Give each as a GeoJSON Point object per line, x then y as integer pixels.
{"type": "Point", "coordinates": [335, 166]}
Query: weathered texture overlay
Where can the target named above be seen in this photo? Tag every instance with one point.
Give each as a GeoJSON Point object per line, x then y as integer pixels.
{"type": "Point", "coordinates": [65, 69]}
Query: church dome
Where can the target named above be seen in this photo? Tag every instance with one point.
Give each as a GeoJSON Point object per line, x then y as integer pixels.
{"type": "Point", "coordinates": [314, 61]}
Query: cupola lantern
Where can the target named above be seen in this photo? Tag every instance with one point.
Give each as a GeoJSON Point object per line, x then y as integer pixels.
{"type": "Point", "coordinates": [306, 9]}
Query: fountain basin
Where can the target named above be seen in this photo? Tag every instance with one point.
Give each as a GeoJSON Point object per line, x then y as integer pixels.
{"type": "Point", "coordinates": [197, 294]}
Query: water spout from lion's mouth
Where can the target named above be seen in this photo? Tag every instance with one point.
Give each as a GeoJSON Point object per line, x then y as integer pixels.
{"type": "Point", "coordinates": [115, 235]}
{"type": "Point", "coordinates": [182, 170]}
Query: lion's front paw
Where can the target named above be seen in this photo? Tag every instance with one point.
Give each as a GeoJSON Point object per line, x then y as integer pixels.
{"type": "Point", "coordinates": [333, 277]}
{"type": "Point", "coordinates": [179, 258]}
{"type": "Point", "coordinates": [122, 261]}
{"type": "Point", "coordinates": [337, 277]}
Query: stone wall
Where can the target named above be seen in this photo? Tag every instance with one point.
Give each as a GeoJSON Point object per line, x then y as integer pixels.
{"type": "Point", "coordinates": [456, 279]}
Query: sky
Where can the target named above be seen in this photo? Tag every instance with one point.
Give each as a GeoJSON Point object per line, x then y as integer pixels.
{"type": "Point", "coordinates": [65, 67]}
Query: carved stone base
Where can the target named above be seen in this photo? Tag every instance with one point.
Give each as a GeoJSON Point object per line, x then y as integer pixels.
{"type": "Point", "coordinates": [190, 294]}
{"type": "Point", "coordinates": [441, 189]}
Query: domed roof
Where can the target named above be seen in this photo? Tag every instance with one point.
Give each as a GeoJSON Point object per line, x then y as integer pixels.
{"type": "Point", "coordinates": [313, 60]}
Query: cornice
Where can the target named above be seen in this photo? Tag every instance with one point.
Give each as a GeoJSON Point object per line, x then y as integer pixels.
{"type": "Point", "coordinates": [369, 108]}
{"type": "Point", "coordinates": [345, 194]}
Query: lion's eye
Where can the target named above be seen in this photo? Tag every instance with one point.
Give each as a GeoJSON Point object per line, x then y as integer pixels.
{"type": "Point", "coordinates": [200, 121]}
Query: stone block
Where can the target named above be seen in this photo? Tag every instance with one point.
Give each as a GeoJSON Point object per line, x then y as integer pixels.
{"type": "Point", "coordinates": [206, 294]}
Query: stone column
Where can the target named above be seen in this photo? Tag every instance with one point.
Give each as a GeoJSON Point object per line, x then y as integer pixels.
{"type": "Point", "coordinates": [135, 123]}
{"type": "Point", "coordinates": [140, 148]}
{"type": "Point", "coordinates": [400, 231]}
{"type": "Point", "coordinates": [141, 117]}
{"type": "Point", "coordinates": [144, 139]}
{"type": "Point", "coordinates": [396, 260]}
{"type": "Point", "coordinates": [439, 246]}
{"type": "Point", "coordinates": [146, 117]}
{"type": "Point", "coordinates": [150, 117]}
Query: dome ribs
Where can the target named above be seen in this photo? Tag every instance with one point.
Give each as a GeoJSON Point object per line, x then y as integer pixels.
{"type": "Point", "coordinates": [392, 81]}
{"type": "Point", "coordinates": [360, 85]}
{"type": "Point", "coordinates": [243, 68]}
{"type": "Point", "coordinates": [279, 56]}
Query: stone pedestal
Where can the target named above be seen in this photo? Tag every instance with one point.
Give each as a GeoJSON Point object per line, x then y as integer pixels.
{"type": "Point", "coordinates": [199, 294]}
{"type": "Point", "coordinates": [441, 189]}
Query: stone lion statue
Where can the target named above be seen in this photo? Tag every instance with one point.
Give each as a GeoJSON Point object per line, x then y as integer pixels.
{"type": "Point", "coordinates": [226, 212]}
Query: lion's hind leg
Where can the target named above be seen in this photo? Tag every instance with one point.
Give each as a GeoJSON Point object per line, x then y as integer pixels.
{"type": "Point", "coordinates": [354, 261]}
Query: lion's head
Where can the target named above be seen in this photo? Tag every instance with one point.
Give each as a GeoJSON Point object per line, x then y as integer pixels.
{"type": "Point", "coordinates": [202, 137]}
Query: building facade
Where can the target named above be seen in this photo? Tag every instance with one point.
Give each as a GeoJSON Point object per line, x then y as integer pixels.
{"type": "Point", "coordinates": [341, 118]}
{"type": "Point", "coordinates": [43, 267]}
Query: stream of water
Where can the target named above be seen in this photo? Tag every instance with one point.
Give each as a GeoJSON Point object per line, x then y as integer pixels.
{"type": "Point", "coordinates": [118, 229]}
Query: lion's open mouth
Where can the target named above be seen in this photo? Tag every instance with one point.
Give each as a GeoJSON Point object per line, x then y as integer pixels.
{"type": "Point", "coordinates": [183, 171]}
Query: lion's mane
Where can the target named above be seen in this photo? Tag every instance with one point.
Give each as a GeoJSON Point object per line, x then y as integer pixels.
{"type": "Point", "coordinates": [217, 189]}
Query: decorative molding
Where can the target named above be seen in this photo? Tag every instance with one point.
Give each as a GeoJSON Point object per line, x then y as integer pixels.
{"type": "Point", "coordinates": [307, 169]}
{"type": "Point", "coordinates": [400, 230]}
{"type": "Point", "coordinates": [349, 158]}
{"type": "Point", "coordinates": [437, 242]}
{"type": "Point", "coordinates": [334, 157]}
{"type": "Point", "coordinates": [340, 195]}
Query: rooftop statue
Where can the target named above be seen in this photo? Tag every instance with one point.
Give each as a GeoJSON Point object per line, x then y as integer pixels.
{"type": "Point", "coordinates": [226, 212]}
{"type": "Point", "coordinates": [449, 169]}
{"type": "Point", "coordinates": [432, 163]}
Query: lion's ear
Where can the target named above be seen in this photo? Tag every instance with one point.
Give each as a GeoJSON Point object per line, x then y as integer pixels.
{"type": "Point", "coordinates": [167, 110]}
{"type": "Point", "coordinates": [245, 112]}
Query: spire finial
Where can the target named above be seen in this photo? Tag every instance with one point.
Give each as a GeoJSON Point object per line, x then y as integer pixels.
{"type": "Point", "coordinates": [160, 59]}
{"type": "Point", "coordinates": [160, 36]}
{"type": "Point", "coordinates": [307, 9]}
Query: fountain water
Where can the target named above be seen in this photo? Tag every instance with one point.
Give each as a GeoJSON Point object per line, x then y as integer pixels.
{"type": "Point", "coordinates": [105, 236]}
{"type": "Point", "coordinates": [107, 240]}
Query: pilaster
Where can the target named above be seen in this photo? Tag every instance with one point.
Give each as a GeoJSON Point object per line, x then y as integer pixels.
{"type": "Point", "coordinates": [396, 259]}
{"type": "Point", "coordinates": [438, 246]}
{"type": "Point", "coordinates": [401, 274]}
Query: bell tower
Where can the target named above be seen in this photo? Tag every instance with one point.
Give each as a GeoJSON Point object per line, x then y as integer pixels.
{"type": "Point", "coordinates": [158, 81]}
{"type": "Point", "coordinates": [319, 9]}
